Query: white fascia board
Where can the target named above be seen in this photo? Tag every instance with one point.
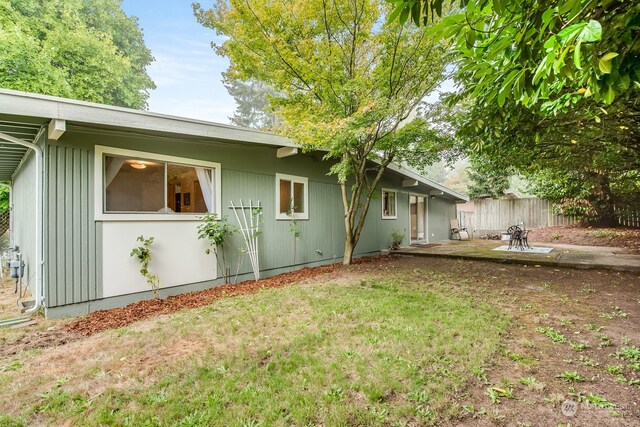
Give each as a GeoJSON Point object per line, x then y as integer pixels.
{"type": "Point", "coordinates": [410, 173]}
{"type": "Point", "coordinates": [34, 105]}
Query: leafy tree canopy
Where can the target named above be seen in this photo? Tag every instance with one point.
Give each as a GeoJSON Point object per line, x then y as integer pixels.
{"type": "Point", "coordinates": [487, 182]}
{"type": "Point", "coordinates": [549, 88]}
{"type": "Point", "coordinates": [82, 49]}
{"type": "Point", "coordinates": [347, 83]}
{"type": "Point", "coordinates": [586, 167]}
{"type": "Point", "coordinates": [551, 54]}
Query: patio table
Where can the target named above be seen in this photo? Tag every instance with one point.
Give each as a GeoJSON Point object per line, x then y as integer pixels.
{"type": "Point", "coordinates": [518, 237]}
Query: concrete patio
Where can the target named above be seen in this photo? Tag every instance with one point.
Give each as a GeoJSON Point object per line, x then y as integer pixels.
{"type": "Point", "coordinates": [586, 257]}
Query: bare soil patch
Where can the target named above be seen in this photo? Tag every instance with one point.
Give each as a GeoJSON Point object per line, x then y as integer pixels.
{"type": "Point", "coordinates": [9, 299]}
{"type": "Point", "coordinates": [622, 237]}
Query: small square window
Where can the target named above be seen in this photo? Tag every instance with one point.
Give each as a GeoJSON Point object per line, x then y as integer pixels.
{"type": "Point", "coordinates": [389, 204]}
{"type": "Point", "coordinates": [291, 197]}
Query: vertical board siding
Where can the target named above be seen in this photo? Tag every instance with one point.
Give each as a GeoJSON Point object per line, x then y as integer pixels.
{"type": "Point", "coordinates": [323, 230]}
{"type": "Point", "coordinates": [70, 247]}
{"type": "Point", "coordinates": [439, 213]}
{"type": "Point", "coordinates": [24, 216]}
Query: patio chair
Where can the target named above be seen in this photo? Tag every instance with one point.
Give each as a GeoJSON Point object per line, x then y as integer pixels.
{"type": "Point", "coordinates": [524, 244]}
{"type": "Point", "coordinates": [515, 237]}
{"type": "Point", "coordinates": [455, 228]}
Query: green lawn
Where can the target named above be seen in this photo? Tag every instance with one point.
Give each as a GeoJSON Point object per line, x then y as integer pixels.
{"type": "Point", "coordinates": [372, 351]}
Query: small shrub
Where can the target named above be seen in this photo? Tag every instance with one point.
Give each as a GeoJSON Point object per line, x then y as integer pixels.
{"type": "Point", "coordinates": [143, 253]}
{"type": "Point", "coordinates": [217, 232]}
{"type": "Point", "coordinates": [396, 239]}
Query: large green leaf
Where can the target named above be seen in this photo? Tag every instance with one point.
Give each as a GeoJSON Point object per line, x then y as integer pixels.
{"type": "Point", "coordinates": [592, 32]}
{"type": "Point", "coordinates": [604, 63]}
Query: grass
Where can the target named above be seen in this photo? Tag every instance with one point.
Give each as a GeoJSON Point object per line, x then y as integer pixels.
{"type": "Point", "coordinates": [373, 352]}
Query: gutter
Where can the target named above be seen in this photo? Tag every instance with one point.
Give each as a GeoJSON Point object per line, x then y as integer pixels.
{"type": "Point", "coordinates": [39, 288]}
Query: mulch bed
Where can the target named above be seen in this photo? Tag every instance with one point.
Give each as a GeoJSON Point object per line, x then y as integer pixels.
{"type": "Point", "coordinates": [119, 317]}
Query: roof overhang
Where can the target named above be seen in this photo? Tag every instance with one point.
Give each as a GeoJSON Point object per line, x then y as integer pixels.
{"type": "Point", "coordinates": [445, 192]}
{"type": "Point", "coordinates": [80, 112]}
{"type": "Point", "coordinates": [11, 154]}
{"type": "Point", "coordinates": [23, 114]}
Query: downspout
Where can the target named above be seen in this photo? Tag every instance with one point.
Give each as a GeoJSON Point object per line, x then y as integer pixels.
{"type": "Point", "coordinates": [39, 288]}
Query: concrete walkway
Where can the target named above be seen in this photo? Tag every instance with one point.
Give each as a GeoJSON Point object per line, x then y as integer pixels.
{"type": "Point", "coordinates": [561, 255]}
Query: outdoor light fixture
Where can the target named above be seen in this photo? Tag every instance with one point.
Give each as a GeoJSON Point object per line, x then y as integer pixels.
{"type": "Point", "coordinates": [138, 165]}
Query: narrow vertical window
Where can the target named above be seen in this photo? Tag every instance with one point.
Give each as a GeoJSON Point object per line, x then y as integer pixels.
{"type": "Point", "coordinates": [389, 204]}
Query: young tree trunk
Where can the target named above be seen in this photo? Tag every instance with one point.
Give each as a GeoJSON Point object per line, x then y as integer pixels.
{"type": "Point", "coordinates": [348, 251]}
{"type": "Point", "coordinates": [357, 207]}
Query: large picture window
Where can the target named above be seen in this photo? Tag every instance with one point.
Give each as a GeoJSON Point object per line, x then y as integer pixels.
{"type": "Point", "coordinates": [292, 197]}
{"type": "Point", "coordinates": [146, 184]}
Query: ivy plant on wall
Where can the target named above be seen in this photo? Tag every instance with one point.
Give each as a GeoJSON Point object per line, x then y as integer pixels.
{"type": "Point", "coordinates": [143, 253]}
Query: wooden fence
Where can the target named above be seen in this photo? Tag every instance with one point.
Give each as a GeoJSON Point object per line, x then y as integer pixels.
{"type": "Point", "coordinates": [495, 216]}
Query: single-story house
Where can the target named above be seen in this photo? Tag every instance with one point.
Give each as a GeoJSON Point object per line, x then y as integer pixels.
{"type": "Point", "coordinates": [88, 179]}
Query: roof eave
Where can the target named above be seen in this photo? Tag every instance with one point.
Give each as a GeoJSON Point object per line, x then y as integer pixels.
{"type": "Point", "coordinates": [411, 173]}
{"type": "Point", "coordinates": [50, 107]}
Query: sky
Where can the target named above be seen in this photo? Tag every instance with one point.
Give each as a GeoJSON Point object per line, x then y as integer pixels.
{"type": "Point", "coordinates": [186, 70]}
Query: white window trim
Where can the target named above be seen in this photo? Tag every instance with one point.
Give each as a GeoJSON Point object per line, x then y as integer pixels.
{"type": "Point", "coordinates": [395, 200]}
{"type": "Point", "coordinates": [98, 189]}
{"type": "Point", "coordinates": [300, 180]}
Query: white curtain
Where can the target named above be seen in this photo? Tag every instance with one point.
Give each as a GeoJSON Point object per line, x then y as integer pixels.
{"type": "Point", "coordinates": [113, 166]}
{"type": "Point", "coordinates": [206, 184]}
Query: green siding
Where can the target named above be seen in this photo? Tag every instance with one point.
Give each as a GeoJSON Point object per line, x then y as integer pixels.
{"type": "Point", "coordinates": [440, 212]}
{"type": "Point", "coordinates": [70, 232]}
{"type": "Point", "coordinates": [24, 216]}
{"type": "Point", "coordinates": [248, 172]}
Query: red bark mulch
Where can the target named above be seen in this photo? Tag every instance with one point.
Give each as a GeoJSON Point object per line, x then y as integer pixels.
{"type": "Point", "coordinates": [118, 317]}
